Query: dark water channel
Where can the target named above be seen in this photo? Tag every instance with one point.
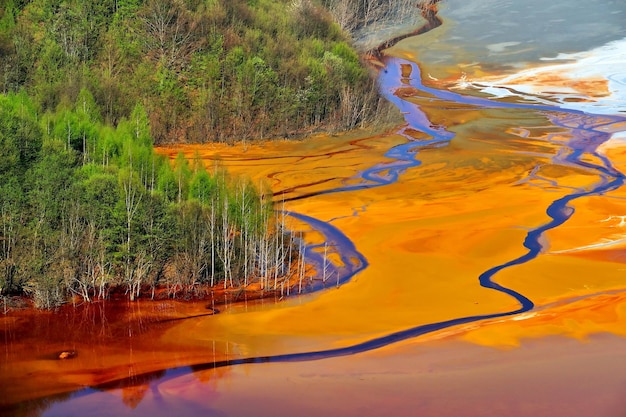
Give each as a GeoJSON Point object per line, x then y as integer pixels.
{"type": "Point", "coordinates": [489, 60]}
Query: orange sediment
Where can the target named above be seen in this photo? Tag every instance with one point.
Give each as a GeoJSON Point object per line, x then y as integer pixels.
{"type": "Point", "coordinates": [427, 238]}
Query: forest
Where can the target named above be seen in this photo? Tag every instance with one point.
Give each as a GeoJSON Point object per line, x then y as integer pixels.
{"type": "Point", "coordinates": [204, 70]}
{"type": "Point", "coordinates": [88, 88]}
{"type": "Point", "coordinates": [88, 208]}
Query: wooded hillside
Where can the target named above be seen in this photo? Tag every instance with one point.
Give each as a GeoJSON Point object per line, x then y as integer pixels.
{"type": "Point", "coordinates": [87, 207]}
{"type": "Point", "coordinates": [204, 70]}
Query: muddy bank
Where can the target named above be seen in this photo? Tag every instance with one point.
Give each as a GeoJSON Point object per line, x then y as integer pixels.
{"type": "Point", "coordinates": [466, 187]}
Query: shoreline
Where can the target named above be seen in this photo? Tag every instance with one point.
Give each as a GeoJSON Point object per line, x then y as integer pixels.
{"type": "Point", "coordinates": [546, 361]}
{"type": "Point", "coordinates": [199, 293]}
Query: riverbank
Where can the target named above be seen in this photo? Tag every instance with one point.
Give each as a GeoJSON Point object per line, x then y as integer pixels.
{"type": "Point", "coordinates": [425, 240]}
{"type": "Point", "coordinates": [468, 190]}
{"type": "Point", "coordinates": [213, 296]}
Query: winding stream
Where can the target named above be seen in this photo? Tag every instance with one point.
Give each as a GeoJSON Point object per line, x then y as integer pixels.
{"type": "Point", "coordinates": [492, 216]}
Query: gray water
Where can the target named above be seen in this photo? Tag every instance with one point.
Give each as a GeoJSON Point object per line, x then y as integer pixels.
{"type": "Point", "coordinates": [511, 31]}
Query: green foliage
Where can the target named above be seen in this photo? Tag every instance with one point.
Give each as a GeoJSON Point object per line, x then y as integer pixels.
{"type": "Point", "coordinates": [87, 108]}
{"type": "Point", "coordinates": [205, 70]}
{"type": "Point", "coordinates": [7, 16]}
{"type": "Point", "coordinates": [48, 183]}
{"type": "Point", "coordinates": [86, 207]}
{"type": "Point", "coordinates": [87, 88]}
{"type": "Point", "coordinates": [202, 187]}
{"type": "Point", "coordinates": [20, 135]}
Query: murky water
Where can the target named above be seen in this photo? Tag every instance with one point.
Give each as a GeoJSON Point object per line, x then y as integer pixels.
{"type": "Point", "coordinates": [480, 248]}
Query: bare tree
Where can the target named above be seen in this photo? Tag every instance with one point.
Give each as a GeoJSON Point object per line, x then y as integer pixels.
{"type": "Point", "coordinates": [172, 34]}
{"type": "Point", "coordinates": [132, 199]}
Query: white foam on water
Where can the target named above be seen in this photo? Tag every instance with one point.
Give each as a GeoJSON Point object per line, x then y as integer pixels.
{"type": "Point", "coordinates": [497, 48]}
{"type": "Point", "coordinates": [617, 140]}
{"type": "Point", "coordinates": [602, 244]}
{"type": "Point", "coordinates": [592, 81]}
{"type": "Point", "coordinates": [619, 137]}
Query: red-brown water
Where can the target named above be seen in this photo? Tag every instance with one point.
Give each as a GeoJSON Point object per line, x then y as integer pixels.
{"type": "Point", "coordinates": [497, 177]}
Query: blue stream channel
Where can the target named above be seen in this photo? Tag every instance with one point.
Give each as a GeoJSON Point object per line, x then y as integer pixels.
{"type": "Point", "coordinates": [383, 174]}
{"type": "Point", "coordinates": [587, 136]}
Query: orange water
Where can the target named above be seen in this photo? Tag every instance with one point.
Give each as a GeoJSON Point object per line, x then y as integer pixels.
{"type": "Point", "coordinates": [427, 237]}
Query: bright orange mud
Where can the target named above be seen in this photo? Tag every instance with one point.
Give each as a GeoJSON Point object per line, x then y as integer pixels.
{"type": "Point", "coordinates": [426, 238]}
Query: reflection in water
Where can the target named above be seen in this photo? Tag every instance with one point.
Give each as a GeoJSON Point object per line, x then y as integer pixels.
{"type": "Point", "coordinates": [584, 136]}
{"type": "Point", "coordinates": [548, 144]}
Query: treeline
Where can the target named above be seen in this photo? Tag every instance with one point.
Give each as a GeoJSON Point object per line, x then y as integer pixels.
{"type": "Point", "coordinates": [371, 22]}
{"type": "Point", "coordinates": [86, 208]}
{"type": "Point", "coordinates": [353, 15]}
{"type": "Point", "coordinates": [87, 88]}
{"type": "Point", "coordinates": [204, 70]}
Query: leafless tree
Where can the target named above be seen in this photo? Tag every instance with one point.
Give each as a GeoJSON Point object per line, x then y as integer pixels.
{"type": "Point", "coordinates": [172, 34]}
